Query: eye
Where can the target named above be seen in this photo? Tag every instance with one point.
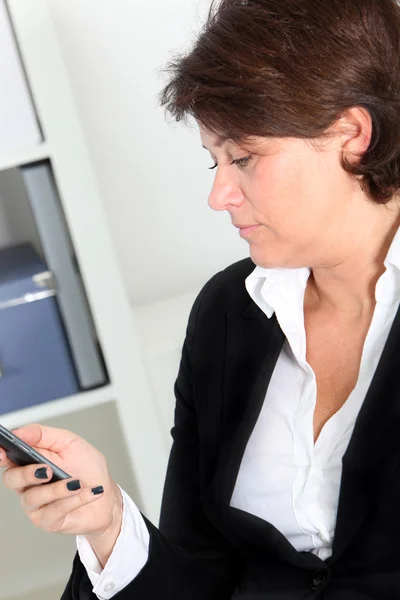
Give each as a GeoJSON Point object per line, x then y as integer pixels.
{"type": "Point", "coordinates": [241, 162]}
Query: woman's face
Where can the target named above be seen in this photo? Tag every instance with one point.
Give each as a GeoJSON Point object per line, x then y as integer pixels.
{"type": "Point", "coordinates": [306, 207]}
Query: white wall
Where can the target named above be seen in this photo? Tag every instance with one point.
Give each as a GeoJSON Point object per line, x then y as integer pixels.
{"type": "Point", "coordinates": [52, 593]}
{"type": "Point", "coordinates": [153, 175]}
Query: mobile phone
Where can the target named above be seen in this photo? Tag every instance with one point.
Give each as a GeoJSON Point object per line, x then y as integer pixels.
{"type": "Point", "coordinates": [22, 454]}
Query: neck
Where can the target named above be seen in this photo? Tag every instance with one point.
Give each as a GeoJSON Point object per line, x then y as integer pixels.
{"type": "Point", "coordinates": [347, 289]}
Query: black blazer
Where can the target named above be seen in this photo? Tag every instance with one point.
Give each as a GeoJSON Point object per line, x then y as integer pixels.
{"type": "Point", "coordinates": [206, 550]}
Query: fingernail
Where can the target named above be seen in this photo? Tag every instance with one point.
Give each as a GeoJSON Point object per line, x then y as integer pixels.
{"type": "Point", "coordinates": [74, 485]}
{"type": "Point", "coordinates": [97, 490]}
{"type": "Point", "coordinates": [41, 473]}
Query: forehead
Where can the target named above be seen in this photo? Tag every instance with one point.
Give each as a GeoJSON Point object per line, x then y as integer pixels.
{"type": "Point", "coordinates": [260, 145]}
{"type": "Point", "coordinates": [210, 139]}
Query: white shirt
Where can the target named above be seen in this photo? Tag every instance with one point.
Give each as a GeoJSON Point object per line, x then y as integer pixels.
{"type": "Point", "coordinates": [283, 478]}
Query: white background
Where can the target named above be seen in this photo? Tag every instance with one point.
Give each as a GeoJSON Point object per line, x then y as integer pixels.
{"type": "Point", "coordinates": [152, 173]}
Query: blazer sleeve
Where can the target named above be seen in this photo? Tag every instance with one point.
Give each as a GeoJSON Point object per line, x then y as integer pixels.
{"type": "Point", "coordinates": [188, 556]}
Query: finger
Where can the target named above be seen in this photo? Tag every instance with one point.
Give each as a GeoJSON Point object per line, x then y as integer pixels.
{"type": "Point", "coordinates": [55, 516]}
{"type": "Point", "coordinates": [17, 478]}
{"type": "Point", "coordinates": [5, 462]}
{"type": "Point", "coordinates": [37, 496]}
{"type": "Point", "coordinates": [42, 436]}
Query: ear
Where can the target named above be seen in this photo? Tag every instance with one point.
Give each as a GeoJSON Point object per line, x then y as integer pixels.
{"type": "Point", "coordinates": [355, 130]}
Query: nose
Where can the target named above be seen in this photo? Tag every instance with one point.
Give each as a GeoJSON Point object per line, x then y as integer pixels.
{"type": "Point", "coordinates": [225, 191]}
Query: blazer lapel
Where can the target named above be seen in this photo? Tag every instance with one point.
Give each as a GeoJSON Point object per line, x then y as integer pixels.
{"type": "Point", "coordinates": [253, 345]}
{"type": "Point", "coordinates": [373, 454]}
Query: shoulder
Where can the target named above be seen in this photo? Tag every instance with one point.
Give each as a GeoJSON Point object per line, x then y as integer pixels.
{"type": "Point", "coordinates": [224, 289]}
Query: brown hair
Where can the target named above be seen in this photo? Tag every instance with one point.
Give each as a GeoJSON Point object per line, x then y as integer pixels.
{"type": "Point", "coordinates": [291, 68]}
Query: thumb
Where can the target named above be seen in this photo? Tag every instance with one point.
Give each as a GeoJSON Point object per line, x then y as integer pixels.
{"type": "Point", "coordinates": [42, 436]}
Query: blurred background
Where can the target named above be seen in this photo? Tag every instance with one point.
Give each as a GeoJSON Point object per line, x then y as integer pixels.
{"type": "Point", "coordinates": [106, 238]}
{"type": "Point", "coordinates": [152, 174]}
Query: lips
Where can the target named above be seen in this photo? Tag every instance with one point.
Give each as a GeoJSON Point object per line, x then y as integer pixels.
{"type": "Point", "coordinates": [245, 231]}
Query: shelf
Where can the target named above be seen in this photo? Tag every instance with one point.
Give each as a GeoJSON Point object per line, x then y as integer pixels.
{"type": "Point", "coordinates": [57, 408]}
{"type": "Point", "coordinates": [18, 158]}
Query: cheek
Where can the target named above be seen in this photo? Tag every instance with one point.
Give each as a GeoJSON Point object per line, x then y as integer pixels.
{"type": "Point", "coordinates": [276, 187]}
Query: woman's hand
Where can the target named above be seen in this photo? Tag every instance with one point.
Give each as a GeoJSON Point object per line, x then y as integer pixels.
{"type": "Point", "coordinates": [54, 507]}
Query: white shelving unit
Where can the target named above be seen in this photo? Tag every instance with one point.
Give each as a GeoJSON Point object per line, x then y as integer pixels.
{"type": "Point", "coordinates": [24, 157]}
{"type": "Point", "coordinates": [120, 418]}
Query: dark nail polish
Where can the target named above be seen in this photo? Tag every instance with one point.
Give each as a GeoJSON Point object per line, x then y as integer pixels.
{"type": "Point", "coordinates": [41, 473]}
{"type": "Point", "coordinates": [97, 490]}
{"type": "Point", "coordinates": [74, 485]}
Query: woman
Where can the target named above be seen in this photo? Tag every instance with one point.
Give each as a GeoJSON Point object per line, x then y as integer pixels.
{"type": "Point", "coordinates": [284, 475]}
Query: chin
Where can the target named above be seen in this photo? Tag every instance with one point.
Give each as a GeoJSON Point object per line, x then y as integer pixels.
{"type": "Point", "coordinates": [263, 262]}
{"type": "Point", "coordinates": [269, 262]}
